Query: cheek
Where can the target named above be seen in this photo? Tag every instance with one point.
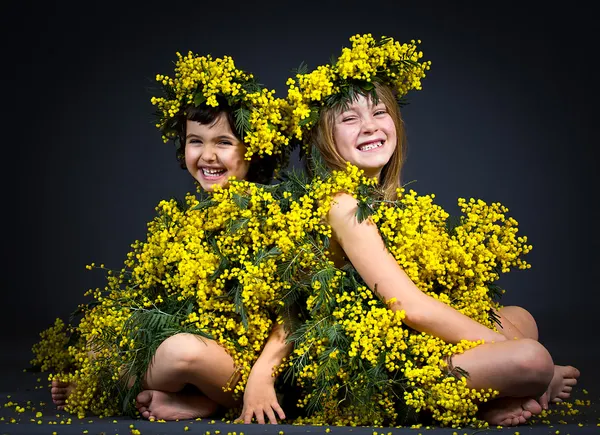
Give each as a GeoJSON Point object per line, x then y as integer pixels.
{"type": "Point", "coordinates": [237, 164]}
{"type": "Point", "coordinates": [343, 141]}
{"type": "Point", "coordinates": [391, 129]}
{"type": "Point", "coordinates": [190, 156]}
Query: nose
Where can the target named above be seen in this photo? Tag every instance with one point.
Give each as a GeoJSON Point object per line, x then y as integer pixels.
{"type": "Point", "coordinates": [369, 124]}
{"type": "Point", "coordinates": [209, 154]}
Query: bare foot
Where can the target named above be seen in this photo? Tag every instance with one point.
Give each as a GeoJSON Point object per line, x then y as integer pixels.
{"type": "Point", "coordinates": [509, 411]}
{"type": "Point", "coordinates": [565, 377]}
{"type": "Point", "coordinates": [60, 391]}
{"type": "Point", "coordinates": [159, 405]}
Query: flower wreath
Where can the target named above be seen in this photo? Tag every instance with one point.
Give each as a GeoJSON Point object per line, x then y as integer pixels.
{"type": "Point", "coordinates": [355, 71]}
{"type": "Point", "coordinates": [260, 120]}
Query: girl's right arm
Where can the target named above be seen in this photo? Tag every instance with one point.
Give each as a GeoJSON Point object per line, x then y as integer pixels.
{"type": "Point", "coordinates": [364, 247]}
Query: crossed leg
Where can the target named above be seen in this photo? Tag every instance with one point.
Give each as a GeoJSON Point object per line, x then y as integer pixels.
{"type": "Point", "coordinates": [519, 369]}
{"type": "Point", "coordinates": [518, 322]}
{"type": "Point", "coordinates": [181, 360]}
{"type": "Point", "coordinates": [522, 370]}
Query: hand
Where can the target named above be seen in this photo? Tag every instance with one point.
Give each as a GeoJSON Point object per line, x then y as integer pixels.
{"type": "Point", "coordinates": [260, 400]}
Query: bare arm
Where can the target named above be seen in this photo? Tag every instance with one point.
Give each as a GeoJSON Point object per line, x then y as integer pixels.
{"type": "Point", "coordinates": [275, 350]}
{"type": "Point", "coordinates": [365, 248]}
{"type": "Point", "coordinates": [259, 397]}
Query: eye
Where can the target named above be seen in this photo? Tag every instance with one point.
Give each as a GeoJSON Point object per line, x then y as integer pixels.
{"type": "Point", "coordinates": [194, 140]}
{"type": "Point", "coordinates": [380, 112]}
{"type": "Point", "coordinates": [348, 118]}
{"type": "Point", "coordinates": [225, 142]}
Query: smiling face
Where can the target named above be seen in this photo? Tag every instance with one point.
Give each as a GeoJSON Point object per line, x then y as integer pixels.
{"type": "Point", "coordinates": [213, 153]}
{"type": "Point", "coordinates": [365, 135]}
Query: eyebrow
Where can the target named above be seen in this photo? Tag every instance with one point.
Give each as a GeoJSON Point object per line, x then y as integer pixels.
{"type": "Point", "coordinates": [349, 109]}
{"type": "Point", "coordinates": [223, 136]}
{"type": "Point", "coordinates": [352, 109]}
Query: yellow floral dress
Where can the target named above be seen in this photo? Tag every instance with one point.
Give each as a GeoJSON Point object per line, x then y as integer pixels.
{"type": "Point", "coordinates": [229, 265]}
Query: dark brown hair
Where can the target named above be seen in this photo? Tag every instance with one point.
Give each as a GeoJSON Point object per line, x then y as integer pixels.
{"type": "Point", "coordinates": [261, 167]}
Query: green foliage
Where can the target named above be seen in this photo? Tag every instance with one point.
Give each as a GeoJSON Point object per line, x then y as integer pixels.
{"type": "Point", "coordinates": [148, 328]}
{"type": "Point", "coordinates": [242, 120]}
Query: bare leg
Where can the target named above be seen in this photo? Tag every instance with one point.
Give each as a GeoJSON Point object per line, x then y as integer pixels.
{"type": "Point", "coordinates": [516, 368]}
{"type": "Point", "coordinates": [187, 359]}
{"type": "Point", "coordinates": [517, 321]}
{"type": "Point", "coordinates": [519, 369]}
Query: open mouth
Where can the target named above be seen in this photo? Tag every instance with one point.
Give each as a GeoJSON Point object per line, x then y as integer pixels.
{"type": "Point", "coordinates": [370, 146]}
{"type": "Point", "coordinates": [212, 173]}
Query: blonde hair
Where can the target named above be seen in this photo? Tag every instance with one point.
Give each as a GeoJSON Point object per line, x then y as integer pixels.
{"type": "Point", "coordinates": [322, 137]}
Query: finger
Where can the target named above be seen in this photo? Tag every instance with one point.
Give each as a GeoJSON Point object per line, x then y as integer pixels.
{"type": "Point", "coordinates": [271, 416]}
{"type": "Point", "coordinates": [260, 417]}
{"type": "Point", "coordinates": [570, 381]}
{"type": "Point", "coordinates": [279, 411]}
{"type": "Point", "coordinates": [245, 417]}
{"type": "Point", "coordinates": [544, 401]}
{"type": "Point", "coordinates": [567, 388]}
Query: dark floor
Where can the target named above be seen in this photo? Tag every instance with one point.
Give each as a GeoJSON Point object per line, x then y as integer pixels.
{"type": "Point", "coordinates": [30, 391]}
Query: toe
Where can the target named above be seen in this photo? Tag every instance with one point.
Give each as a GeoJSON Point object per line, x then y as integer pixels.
{"type": "Point", "coordinates": [532, 406]}
{"type": "Point", "coordinates": [145, 397]}
{"type": "Point", "coordinates": [570, 381]}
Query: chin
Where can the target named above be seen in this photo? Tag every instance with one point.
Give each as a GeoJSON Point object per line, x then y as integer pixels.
{"type": "Point", "coordinates": [371, 165]}
{"type": "Point", "coordinates": [208, 186]}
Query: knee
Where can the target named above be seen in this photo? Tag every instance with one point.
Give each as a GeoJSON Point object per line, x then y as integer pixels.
{"type": "Point", "coordinates": [534, 362]}
{"type": "Point", "coordinates": [522, 319]}
{"type": "Point", "coordinates": [516, 311]}
{"type": "Point", "coordinates": [184, 351]}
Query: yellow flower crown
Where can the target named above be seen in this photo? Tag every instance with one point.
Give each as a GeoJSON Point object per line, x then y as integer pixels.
{"type": "Point", "coordinates": [259, 118]}
{"type": "Point", "coordinates": [354, 72]}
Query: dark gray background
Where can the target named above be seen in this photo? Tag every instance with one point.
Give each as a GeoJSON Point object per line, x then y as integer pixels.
{"type": "Point", "coordinates": [508, 113]}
